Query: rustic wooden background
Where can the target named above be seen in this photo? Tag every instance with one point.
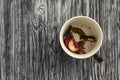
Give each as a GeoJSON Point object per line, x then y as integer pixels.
{"type": "Point", "coordinates": [29, 40]}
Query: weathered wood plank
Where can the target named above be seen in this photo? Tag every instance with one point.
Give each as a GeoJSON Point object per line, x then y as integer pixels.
{"type": "Point", "coordinates": [29, 40]}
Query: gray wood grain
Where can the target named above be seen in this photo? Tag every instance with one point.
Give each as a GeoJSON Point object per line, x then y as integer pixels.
{"type": "Point", "coordinates": [29, 40]}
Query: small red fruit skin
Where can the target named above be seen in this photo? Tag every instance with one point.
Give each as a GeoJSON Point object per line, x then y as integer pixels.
{"type": "Point", "coordinates": [81, 50]}
{"type": "Point", "coordinates": [66, 41]}
{"type": "Point", "coordinates": [73, 46]}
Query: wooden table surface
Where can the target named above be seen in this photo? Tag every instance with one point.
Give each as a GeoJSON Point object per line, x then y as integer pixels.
{"type": "Point", "coordinates": [29, 40]}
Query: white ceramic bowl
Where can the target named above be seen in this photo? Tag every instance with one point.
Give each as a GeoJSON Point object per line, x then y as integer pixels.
{"type": "Point", "coordinates": [95, 28]}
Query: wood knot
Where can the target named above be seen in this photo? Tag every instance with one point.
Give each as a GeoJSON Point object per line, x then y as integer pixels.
{"type": "Point", "coordinates": [38, 17]}
{"type": "Point", "coordinates": [39, 9]}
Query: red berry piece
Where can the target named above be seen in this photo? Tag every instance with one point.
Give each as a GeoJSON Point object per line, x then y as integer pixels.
{"type": "Point", "coordinates": [81, 50]}
{"type": "Point", "coordinates": [66, 41]}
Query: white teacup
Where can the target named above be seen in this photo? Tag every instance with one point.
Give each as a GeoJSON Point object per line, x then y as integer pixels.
{"type": "Point", "coordinates": [95, 30]}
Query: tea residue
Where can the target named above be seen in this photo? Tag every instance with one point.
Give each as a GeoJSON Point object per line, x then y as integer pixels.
{"type": "Point", "coordinates": [72, 44]}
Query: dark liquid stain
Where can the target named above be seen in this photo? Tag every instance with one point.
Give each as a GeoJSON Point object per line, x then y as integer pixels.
{"type": "Point", "coordinates": [77, 30]}
{"type": "Point", "coordinates": [83, 36]}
